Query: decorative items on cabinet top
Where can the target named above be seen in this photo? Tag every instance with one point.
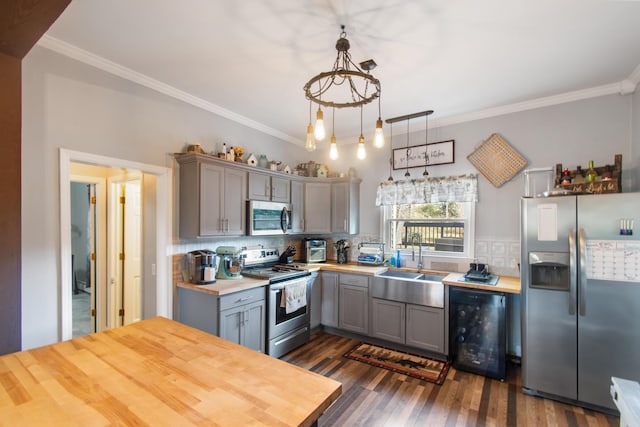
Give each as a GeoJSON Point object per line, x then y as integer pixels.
{"type": "Point", "coordinates": [308, 170]}
{"type": "Point", "coordinates": [608, 178]}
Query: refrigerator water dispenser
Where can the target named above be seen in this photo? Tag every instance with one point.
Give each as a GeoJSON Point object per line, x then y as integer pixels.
{"type": "Point", "coordinates": [549, 270]}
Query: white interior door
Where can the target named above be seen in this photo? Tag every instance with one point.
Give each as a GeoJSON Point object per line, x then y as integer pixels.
{"type": "Point", "coordinates": [125, 250]}
{"type": "Point", "coordinates": [132, 274]}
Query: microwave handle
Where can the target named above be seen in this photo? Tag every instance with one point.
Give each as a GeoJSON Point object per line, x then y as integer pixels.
{"type": "Point", "coordinates": [284, 220]}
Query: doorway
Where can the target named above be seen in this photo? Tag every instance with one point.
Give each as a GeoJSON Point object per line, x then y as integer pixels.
{"type": "Point", "coordinates": [83, 239]}
{"type": "Point", "coordinates": [154, 238]}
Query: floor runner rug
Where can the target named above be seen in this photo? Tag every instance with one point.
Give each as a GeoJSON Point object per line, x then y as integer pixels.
{"type": "Point", "coordinates": [424, 368]}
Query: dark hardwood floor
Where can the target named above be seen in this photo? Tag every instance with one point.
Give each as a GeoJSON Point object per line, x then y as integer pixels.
{"type": "Point", "coordinates": [376, 397]}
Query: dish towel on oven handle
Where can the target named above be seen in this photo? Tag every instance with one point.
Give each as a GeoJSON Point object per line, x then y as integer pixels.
{"type": "Point", "coordinates": [294, 296]}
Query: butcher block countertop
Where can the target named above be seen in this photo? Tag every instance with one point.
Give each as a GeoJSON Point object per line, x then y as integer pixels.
{"type": "Point", "coordinates": [505, 283]}
{"type": "Point", "coordinates": [226, 286]}
{"type": "Point", "coordinates": [157, 372]}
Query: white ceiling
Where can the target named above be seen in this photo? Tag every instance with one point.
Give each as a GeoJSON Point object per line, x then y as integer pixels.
{"type": "Point", "coordinates": [249, 59]}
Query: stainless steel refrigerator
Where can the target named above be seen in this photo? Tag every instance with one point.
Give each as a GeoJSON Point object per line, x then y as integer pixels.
{"type": "Point", "coordinates": [580, 274]}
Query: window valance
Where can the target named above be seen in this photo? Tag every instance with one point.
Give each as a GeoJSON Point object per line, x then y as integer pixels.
{"type": "Point", "coordinates": [463, 188]}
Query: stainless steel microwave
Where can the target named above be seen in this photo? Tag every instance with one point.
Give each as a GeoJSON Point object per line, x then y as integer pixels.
{"type": "Point", "coordinates": [268, 218]}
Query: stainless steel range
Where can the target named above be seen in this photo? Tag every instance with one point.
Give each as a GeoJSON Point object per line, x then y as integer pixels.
{"type": "Point", "coordinates": [288, 300]}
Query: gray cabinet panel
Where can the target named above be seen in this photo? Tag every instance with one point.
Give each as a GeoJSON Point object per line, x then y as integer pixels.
{"type": "Point", "coordinates": [297, 206]}
{"type": "Point", "coordinates": [212, 198]}
{"type": "Point", "coordinates": [388, 320]}
{"type": "Point", "coordinates": [254, 328]}
{"type": "Point", "coordinates": [231, 325]}
{"type": "Point", "coordinates": [330, 295]}
{"type": "Point", "coordinates": [280, 189]}
{"type": "Point", "coordinates": [354, 309]}
{"type": "Point", "coordinates": [235, 196]}
{"type": "Point", "coordinates": [425, 327]}
{"type": "Point", "coordinates": [345, 207]}
{"type": "Point", "coordinates": [317, 207]}
{"type": "Point", "coordinates": [239, 317]}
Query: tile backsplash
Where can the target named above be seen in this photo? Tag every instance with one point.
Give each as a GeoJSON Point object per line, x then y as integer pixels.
{"type": "Point", "coordinates": [502, 256]}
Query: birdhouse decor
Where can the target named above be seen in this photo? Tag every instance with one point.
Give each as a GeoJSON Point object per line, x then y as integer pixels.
{"type": "Point", "coordinates": [283, 167]}
{"type": "Point", "coordinates": [252, 160]}
{"type": "Point", "coordinates": [323, 171]}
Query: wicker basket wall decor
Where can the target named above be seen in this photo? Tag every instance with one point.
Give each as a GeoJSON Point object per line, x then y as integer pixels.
{"type": "Point", "coordinates": [497, 160]}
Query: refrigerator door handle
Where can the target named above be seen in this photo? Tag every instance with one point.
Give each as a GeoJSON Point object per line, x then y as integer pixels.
{"type": "Point", "coordinates": [582, 242]}
{"type": "Point", "coordinates": [573, 271]}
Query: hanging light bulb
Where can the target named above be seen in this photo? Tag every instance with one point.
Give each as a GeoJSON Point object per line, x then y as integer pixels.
{"type": "Point", "coordinates": [319, 132]}
{"type": "Point", "coordinates": [310, 145]}
{"type": "Point", "coordinates": [311, 141]}
{"type": "Point", "coordinates": [378, 138]}
{"type": "Point", "coordinates": [362, 154]}
{"type": "Point", "coordinates": [333, 147]}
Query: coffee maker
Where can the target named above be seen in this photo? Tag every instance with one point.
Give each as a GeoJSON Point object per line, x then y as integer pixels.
{"type": "Point", "coordinates": [202, 267]}
{"type": "Point", "coordinates": [230, 262]}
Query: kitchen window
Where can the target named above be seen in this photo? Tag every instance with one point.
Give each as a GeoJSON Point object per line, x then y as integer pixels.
{"type": "Point", "coordinates": [436, 214]}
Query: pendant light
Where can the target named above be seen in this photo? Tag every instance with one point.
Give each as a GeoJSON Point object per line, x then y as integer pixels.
{"type": "Point", "coordinates": [362, 154]}
{"type": "Point", "coordinates": [390, 152]}
{"type": "Point", "coordinates": [310, 145]}
{"type": "Point", "coordinates": [319, 131]}
{"type": "Point", "coordinates": [346, 85]}
{"type": "Point", "coordinates": [333, 147]}
{"type": "Point", "coordinates": [408, 118]}
{"type": "Point", "coordinates": [406, 173]}
{"type": "Point", "coordinates": [378, 137]}
{"type": "Point", "coordinates": [426, 142]}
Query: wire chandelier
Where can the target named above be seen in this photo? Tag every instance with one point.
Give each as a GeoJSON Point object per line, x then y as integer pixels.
{"type": "Point", "coordinates": [347, 85]}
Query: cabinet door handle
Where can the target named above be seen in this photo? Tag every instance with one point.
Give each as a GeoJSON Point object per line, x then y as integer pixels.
{"type": "Point", "coordinates": [244, 299]}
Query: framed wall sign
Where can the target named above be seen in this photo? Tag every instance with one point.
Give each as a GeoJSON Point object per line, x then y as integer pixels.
{"type": "Point", "coordinates": [414, 156]}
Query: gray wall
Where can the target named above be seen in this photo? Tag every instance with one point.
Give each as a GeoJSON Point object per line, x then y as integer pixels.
{"type": "Point", "coordinates": [74, 106]}
{"type": "Point", "coordinates": [71, 105]}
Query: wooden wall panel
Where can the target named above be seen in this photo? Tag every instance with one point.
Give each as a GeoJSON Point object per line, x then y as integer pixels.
{"type": "Point", "coordinates": [23, 22]}
{"type": "Point", "coordinates": [10, 122]}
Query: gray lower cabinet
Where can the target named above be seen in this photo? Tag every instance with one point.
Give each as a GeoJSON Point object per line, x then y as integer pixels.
{"type": "Point", "coordinates": [238, 317]}
{"type": "Point", "coordinates": [414, 325]}
{"type": "Point", "coordinates": [388, 320]}
{"type": "Point", "coordinates": [330, 295]}
{"type": "Point", "coordinates": [425, 327]}
{"type": "Point", "coordinates": [244, 325]}
{"type": "Point", "coordinates": [354, 303]}
{"type": "Point", "coordinates": [316, 299]}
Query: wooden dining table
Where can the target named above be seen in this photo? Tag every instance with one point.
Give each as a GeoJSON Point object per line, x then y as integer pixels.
{"type": "Point", "coordinates": [157, 372]}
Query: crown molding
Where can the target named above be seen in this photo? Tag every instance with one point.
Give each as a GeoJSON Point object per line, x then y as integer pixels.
{"type": "Point", "coordinates": [594, 92]}
{"type": "Point", "coordinates": [624, 87]}
{"type": "Point", "coordinates": [111, 67]}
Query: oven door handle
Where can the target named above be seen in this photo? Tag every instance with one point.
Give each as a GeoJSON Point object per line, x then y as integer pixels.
{"type": "Point", "coordinates": [284, 220]}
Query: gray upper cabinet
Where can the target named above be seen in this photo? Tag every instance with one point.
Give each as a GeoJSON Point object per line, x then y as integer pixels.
{"type": "Point", "coordinates": [212, 199]}
{"type": "Point", "coordinates": [317, 207]}
{"type": "Point", "coordinates": [213, 195]}
{"type": "Point", "coordinates": [263, 186]}
{"type": "Point", "coordinates": [297, 206]}
{"type": "Point", "coordinates": [345, 206]}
